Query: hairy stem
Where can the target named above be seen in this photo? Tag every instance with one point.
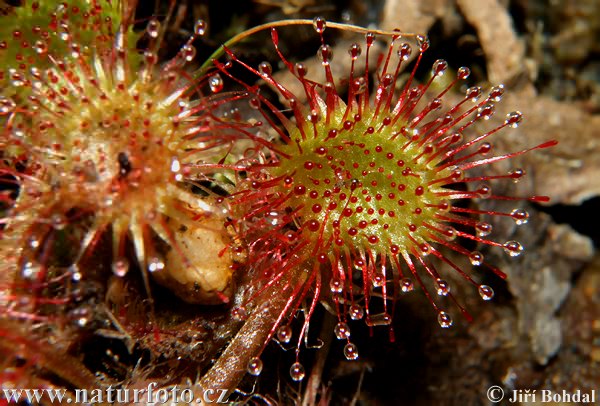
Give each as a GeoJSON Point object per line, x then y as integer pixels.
{"type": "Point", "coordinates": [249, 342]}
{"type": "Point", "coordinates": [286, 23]}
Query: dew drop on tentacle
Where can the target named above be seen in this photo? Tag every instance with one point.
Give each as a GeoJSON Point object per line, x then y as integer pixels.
{"type": "Point", "coordinates": [156, 264]}
{"type": "Point", "coordinates": [473, 93]}
{"type": "Point", "coordinates": [406, 285]}
{"type": "Point", "coordinates": [153, 28]}
{"type": "Point", "coordinates": [404, 51]}
{"type": "Point", "coordinates": [301, 69]}
{"type": "Point", "coordinates": [356, 312]}
{"type": "Point", "coordinates": [355, 50]}
{"type": "Point", "coordinates": [514, 118]}
{"type": "Point", "coordinates": [496, 93]}
{"type": "Point", "coordinates": [254, 103]}
{"type": "Point", "coordinates": [476, 258]}
{"type": "Point", "coordinates": [342, 331]}
{"type": "Point", "coordinates": [319, 24]}
{"type": "Point", "coordinates": [457, 174]}
{"type": "Point", "coordinates": [215, 82]}
{"type": "Point", "coordinates": [486, 112]}
{"type": "Point", "coordinates": [444, 319]}
{"type": "Point", "coordinates": [200, 27]}
{"type": "Point", "coordinates": [120, 266]}
{"type": "Point", "coordinates": [439, 67]}
{"type": "Point", "coordinates": [520, 216]}
{"type": "Point", "coordinates": [486, 292]}
{"type": "Point", "coordinates": [265, 69]}
{"type": "Point", "coordinates": [449, 233]}
{"type": "Point", "coordinates": [370, 38]}
{"type": "Point", "coordinates": [443, 288]}
{"type": "Point", "coordinates": [513, 248]}
{"type": "Point", "coordinates": [284, 334]}
{"type": "Point", "coordinates": [413, 94]}
{"type": "Point", "coordinates": [255, 366]}
{"type": "Point", "coordinates": [484, 191]}
{"type": "Point", "coordinates": [297, 372]}
{"type": "Point", "coordinates": [483, 229]}
{"type": "Point", "coordinates": [387, 80]}
{"type": "Point", "coordinates": [378, 280]}
{"type": "Point", "coordinates": [516, 174]}
{"type": "Point", "coordinates": [351, 351]}
{"type": "Point", "coordinates": [336, 286]}
{"type": "Point", "coordinates": [423, 43]}
{"type": "Point", "coordinates": [359, 85]}
{"type": "Point", "coordinates": [325, 54]}
{"type": "Point", "coordinates": [188, 51]}
{"type": "Point", "coordinates": [435, 104]}
{"type": "Point", "coordinates": [463, 73]}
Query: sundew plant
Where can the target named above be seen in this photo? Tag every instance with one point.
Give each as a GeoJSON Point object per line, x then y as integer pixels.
{"type": "Point", "coordinates": [363, 187]}
{"type": "Point", "coordinates": [97, 137]}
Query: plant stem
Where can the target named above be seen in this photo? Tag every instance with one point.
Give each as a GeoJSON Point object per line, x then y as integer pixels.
{"type": "Point", "coordinates": [285, 23]}
{"type": "Point", "coordinates": [250, 341]}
